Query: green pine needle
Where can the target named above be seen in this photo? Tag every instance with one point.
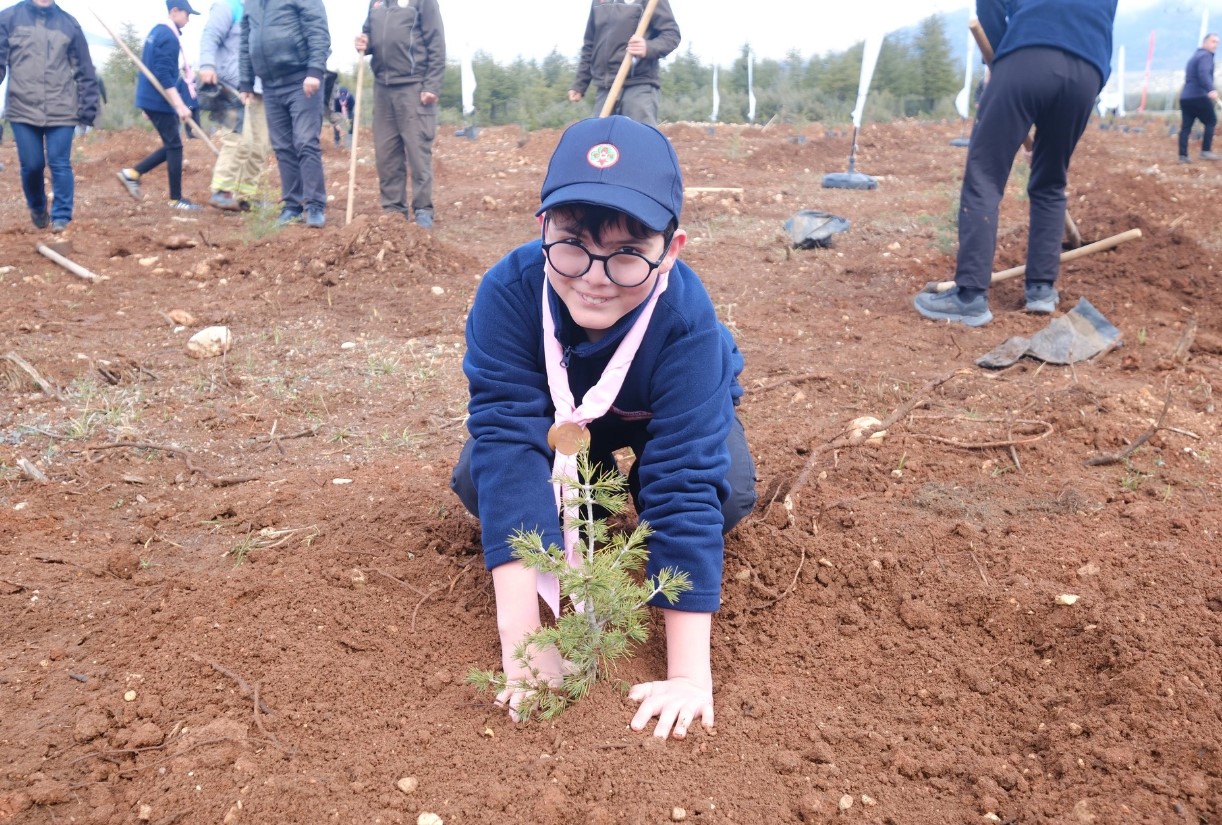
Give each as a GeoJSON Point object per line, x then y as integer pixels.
{"type": "Point", "coordinates": [615, 603]}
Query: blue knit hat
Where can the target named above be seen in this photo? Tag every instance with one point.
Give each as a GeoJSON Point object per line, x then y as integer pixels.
{"type": "Point", "coordinates": [617, 163]}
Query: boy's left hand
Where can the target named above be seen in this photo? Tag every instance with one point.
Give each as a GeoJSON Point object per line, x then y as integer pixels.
{"type": "Point", "coordinates": [677, 702]}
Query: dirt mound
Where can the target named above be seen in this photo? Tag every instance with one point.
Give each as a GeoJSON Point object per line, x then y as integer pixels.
{"type": "Point", "coordinates": [245, 593]}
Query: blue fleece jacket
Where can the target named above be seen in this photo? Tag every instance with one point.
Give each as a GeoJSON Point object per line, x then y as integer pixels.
{"type": "Point", "coordinates": [1080, 27]}
{"type": "Point", "coordinates": [1198, 75]}
{"type": "Point", "coordinates": [680, 392]}
{"type": "Point", "coordinates": [162, 56]}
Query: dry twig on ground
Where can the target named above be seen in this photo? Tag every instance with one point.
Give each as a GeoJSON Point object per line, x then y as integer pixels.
{"type": "Point", "coordinates": [864, 435]}
{"type": "Point", "coordinates": [1117, 458]}
{"type": "Point", "coordinates": [215, 481]}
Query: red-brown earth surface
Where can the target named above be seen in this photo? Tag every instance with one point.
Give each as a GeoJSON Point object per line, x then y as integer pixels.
{"type": "Point", "coordinates": [184, 637]}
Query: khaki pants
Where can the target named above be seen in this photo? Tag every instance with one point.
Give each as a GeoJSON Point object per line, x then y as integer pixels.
{"type": "Point", "coordinates": [403, 133]}
{"type": "Point", "coordinates": [239, 168]}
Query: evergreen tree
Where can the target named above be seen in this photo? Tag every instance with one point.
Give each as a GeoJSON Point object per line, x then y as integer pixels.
{"type": "Point", "coordinates": [936, 75]}
{"type": "Point", "coordinates": [119, 75]}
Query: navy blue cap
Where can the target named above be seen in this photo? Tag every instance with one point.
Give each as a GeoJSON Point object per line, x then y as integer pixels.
{"type": "Point", "coordinates": [617, 163]}
{"type": "Point", "coordinates": [185, 5]}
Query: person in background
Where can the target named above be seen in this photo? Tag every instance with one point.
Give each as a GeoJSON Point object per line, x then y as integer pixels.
{"type": "Point", "coordinates": [163, 56]}
{"type": "Point", "coordinates": [243, 129]}
{"type": "Point", "coordinates": [1051, 59]}
{"type": "Point", "coordinates": [52, 89]}
{"type": "Point", "coordinates": [285, 44]}
{"type": "Point", "coordinates": [610, 34]}
{"type": "Point", "coordinates": [600, 311]}
{"type": "Point", "coordinates": [407, 43]}
{"type": "Point", "coordinates": [341, 121]}
{"type": "Point", "coordinates": [1198, 99]}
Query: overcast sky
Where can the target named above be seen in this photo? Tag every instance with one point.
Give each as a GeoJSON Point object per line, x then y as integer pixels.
{"type": "Point", "coordinates": [714, 29]}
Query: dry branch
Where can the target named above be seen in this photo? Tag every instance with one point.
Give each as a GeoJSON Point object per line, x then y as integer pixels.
{"type": "Point", "coordinates": [68, 264]}
{"type": "Point", "coordinates": [864, 435]}
{"type": "Point", "coordinates": [1117, 458]}
{"type": "Point", "coordinates": [796, 379]}
{"type": "Point", "coordinates": [1180, 354]}
{"type": "Point", "coordinates": [46, 386]}
{"type": "Point", "coordinates": [242, 684]}
{"type": "Point", "coordinates": [1049, 429]}
{"type": "Point", "coordinates": [215, 481]}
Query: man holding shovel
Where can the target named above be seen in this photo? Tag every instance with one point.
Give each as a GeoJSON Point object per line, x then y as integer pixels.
{"type": "Point", "coordinates": [168, 104]}
{"type": "Point", "coordinates": [243, 129]}
{"type": "Point", "coordinates": [1051, 59]}
{"type": "Point", "coordinates": [610, 35]}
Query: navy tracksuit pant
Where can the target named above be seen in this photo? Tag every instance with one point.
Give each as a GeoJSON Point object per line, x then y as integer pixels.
{"type": "Point", "coordinates": [1055, 92]}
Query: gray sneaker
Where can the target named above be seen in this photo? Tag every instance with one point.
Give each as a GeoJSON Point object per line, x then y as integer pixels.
{"type": "Point", "coordinates": [1210, 156]}
{"type": "Point", "coordinates": [950, 306]}
{"type": "Point", "coordinates": [288, 215]}
{"type": "Point", "coordinates": [424, 220]}
{"type": "Point", "coordinates": [315, 218]}
{"type": "Point", "coordinates": [1185, 159]}
{"type": "Point", "coordinates": [130, 179]}
{"type": "Point", "coordinates": [1042, 298]}
{"type": "Point", "coordinates": [40, 219]}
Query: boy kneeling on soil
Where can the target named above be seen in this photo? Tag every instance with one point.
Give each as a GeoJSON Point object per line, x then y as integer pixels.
{"type": "Point", "coordinates": [598, 324]}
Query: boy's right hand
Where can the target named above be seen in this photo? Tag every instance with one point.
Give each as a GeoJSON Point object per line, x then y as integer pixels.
{"type": "Point", "coordinates": [551, 669]}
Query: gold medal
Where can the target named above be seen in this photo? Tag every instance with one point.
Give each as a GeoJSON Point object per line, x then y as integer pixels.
{"type": "Point", "coordinates": [568, 438]}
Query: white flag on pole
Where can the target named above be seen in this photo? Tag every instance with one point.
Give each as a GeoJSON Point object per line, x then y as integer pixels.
{"type": "Point", "coordinates": [869, 57]}
{"type": "Point", "coordinates": [963, 100]}
{"type": "Point", "coordinates": [467, 76]}
{"type": "Point", "coordinates": [716, 96]}
{"type": "Point", "coordinates": [751, 86]}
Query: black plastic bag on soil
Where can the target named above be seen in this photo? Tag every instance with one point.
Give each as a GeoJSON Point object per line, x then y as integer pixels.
{"type": "Point", "coordinates": [810, 229]}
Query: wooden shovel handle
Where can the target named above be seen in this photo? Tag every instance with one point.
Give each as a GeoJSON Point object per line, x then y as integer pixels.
{"type": "Point", "coordinates": [356, 133]}
{"type": "Point", "coordinates": [982, 40]}
{"type": "Point", "coordinates": [1097, 246]}
{"type": "Point", "coordinates": [622, 74]}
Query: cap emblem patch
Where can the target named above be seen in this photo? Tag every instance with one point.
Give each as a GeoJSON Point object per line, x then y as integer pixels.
{"type": "Point", "coordinates": [603, 156]}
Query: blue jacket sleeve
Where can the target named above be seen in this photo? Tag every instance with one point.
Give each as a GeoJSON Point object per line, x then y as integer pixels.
{"type": "Point", "coordinates": [510, 409]}
{"type": "Point", "coordinates": [313, 17]}
{"type": "Point", "coordinates": [992, 15]}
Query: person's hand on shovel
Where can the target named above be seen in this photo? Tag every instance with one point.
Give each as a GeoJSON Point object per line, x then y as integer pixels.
{"type": "Point", "coordinates": [361, 41]}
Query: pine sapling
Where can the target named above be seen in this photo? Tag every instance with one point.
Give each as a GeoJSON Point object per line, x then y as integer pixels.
{"type": "Point", "coordinates": [606, 608]}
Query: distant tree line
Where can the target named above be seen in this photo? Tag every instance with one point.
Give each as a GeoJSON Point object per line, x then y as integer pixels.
{"type": "Point", "coordinates": [916, 76]}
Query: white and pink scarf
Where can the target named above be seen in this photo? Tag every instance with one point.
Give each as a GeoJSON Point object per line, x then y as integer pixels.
{"type": "Point", "coordinates": [594, 405]}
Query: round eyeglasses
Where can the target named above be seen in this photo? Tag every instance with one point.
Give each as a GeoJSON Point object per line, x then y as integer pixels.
{"type": "Point", "coordinates": [626, 268]}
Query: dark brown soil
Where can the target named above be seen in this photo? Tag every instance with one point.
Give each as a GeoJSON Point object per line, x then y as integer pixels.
{"type": "Point", "coordinates": [183, 639]}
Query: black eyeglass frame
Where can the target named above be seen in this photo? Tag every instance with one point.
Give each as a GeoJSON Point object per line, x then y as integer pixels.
{"type": "Point", "coordinates": [604, 259]}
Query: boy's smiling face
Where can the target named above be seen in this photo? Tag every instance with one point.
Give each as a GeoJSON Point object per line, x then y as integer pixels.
{"type": "Point", "coordinates": [594, 300]}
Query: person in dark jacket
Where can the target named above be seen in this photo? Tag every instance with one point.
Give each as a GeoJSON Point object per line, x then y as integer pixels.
{"type": "Point", "coordinates": [1198, 99]}
{"type": "Point", "coordinates": [407, 44]}
{"type": "Point", "coordinates": [286, 43]}
{"type": "Point", "coordinates": [52, 88]}
{"type": "Point", "coordinates": [1051, 59]}
{"type": "Point", "coordinates": [610, 34]}
{"type": "Point", "coordinates": [163, 56]}
{"type": "Point", "coordinates": [341, 115]}
{"type": "Point", "coordinates": [601, 312]}
{"type": "Point", "coordinates": [242, 128]}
